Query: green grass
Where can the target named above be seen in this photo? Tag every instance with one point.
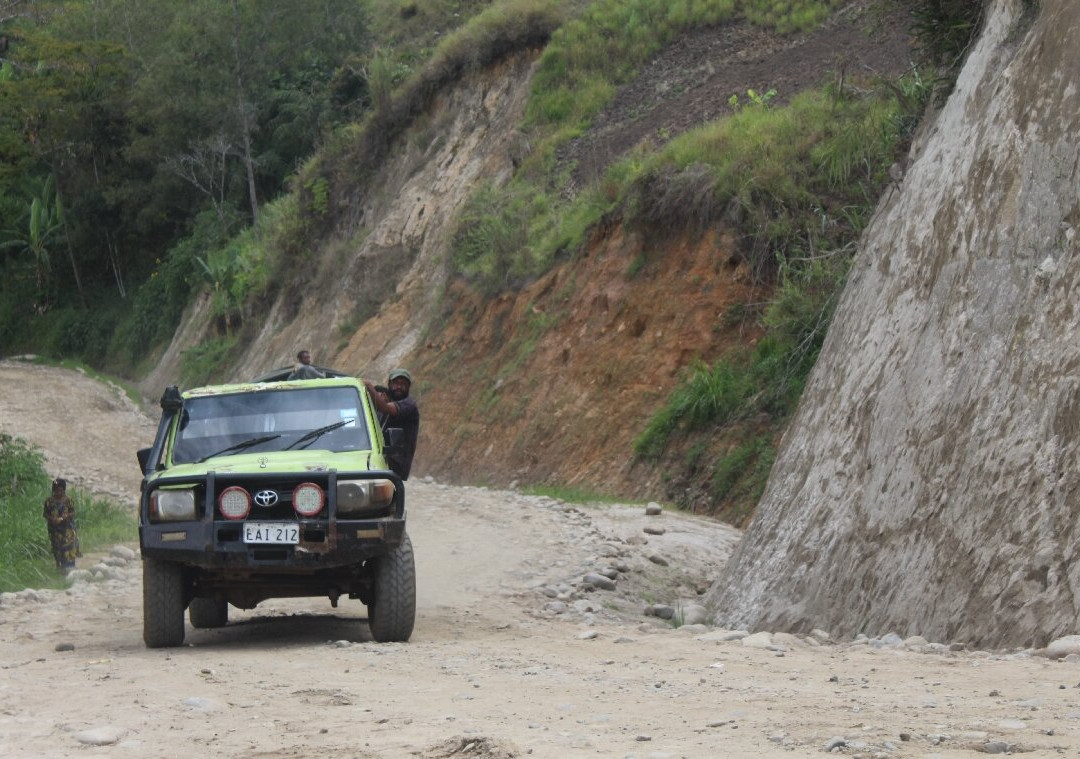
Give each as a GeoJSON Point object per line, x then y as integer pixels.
{"type": "Point", "coordinates": [589, 57]}
{"type": "Point", "coordinates": [805, 178]}
{"type": "Point", "coordinates": [24, 542]}
{"type": "Point", "coordinates": [570, 494]}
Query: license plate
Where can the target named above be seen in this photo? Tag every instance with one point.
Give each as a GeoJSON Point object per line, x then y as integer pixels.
{"type": "Point", "coordinates": [271, 532]}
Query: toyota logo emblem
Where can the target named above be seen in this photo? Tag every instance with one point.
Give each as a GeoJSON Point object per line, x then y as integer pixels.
{"type": "Point", "coordinates": [266, 498]}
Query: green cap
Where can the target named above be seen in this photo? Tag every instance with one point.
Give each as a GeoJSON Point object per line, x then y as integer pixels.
{"type": "Point", "coordinates": [399, 372]}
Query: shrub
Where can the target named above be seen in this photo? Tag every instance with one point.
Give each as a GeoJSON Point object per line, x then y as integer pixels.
{"type": "Point", "coordinates": [740, 476]}
{"type": "Point", "coordinates": [158, 304]}
{"type": "Point", "coordinates": [206, 361]}
{"type": "Point", "coordinates": [24, 542]}
{"type": "Point", "coordinates": [946, 28]}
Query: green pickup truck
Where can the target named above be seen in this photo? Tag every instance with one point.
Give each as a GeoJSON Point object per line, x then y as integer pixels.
{"type": "Point", "coordinates": [272, 489]}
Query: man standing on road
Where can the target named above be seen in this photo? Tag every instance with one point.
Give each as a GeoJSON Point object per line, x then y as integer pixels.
{"type": "Point", "coordinates": [397, 409]}
{"type": "Point", "coordinates": [59, 513]}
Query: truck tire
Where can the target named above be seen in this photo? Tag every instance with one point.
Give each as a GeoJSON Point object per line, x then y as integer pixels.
{"type": "Point", "coordinates": [206, 613]}
{"type": "Point", "coordinates": [163, 603]}
{"type": "Point", "coordinates": [392, 611]}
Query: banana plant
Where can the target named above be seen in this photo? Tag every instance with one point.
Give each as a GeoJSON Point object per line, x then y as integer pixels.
{"type": "Point", "coordinates": [43, 225]}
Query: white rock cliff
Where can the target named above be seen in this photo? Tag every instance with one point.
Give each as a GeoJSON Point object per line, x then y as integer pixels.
{"type": "Point", "coordinates": [929, 483]}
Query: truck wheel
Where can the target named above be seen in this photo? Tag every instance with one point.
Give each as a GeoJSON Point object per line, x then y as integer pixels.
{"type": "Point", "coordinates": [206, 613]}
{"type": "Point", "coordinates": [163, 603]}
{"type": "Point", "coordinates": [392, 611]}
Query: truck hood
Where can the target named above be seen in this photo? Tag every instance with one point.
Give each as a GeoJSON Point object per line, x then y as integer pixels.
{"type": "Point", "coordinates": [281, 462]}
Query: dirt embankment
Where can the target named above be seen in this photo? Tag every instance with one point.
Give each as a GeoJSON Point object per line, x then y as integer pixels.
{"type": "Point", "coordinates": [513, 654]}
{"type": "Point", "coordinates": [554, 383]}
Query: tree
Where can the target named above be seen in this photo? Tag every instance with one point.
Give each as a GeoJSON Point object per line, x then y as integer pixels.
{"type": "Point", "coordinates": [42, 226]}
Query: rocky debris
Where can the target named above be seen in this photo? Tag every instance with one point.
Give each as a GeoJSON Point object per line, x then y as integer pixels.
{"type": "Point", "coordinates": [656, 558]}
{"type": "Point", "coordinates": [24, 596]}
{"type": "Point", "coordinates": [890, 640]}
{"type": "Point", "coordinates": [64, 647]}
{"type": "Point", "coordinates": [650, 530]}
{"type": "Point", "coordinates": [79, 575]}
{"type": "Point", "coordinates": [653, 509]}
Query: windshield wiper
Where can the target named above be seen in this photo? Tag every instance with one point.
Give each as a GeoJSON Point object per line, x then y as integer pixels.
{"type": "Point", "coordinates": [240, 446]}
{"type": "Point", "coordinates": [314, 435]}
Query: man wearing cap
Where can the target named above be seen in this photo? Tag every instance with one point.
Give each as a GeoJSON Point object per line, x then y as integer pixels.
{"type": "Point", "coordinates": [59, 513]}
{"type": "Point", "coordinates": [397, 409]}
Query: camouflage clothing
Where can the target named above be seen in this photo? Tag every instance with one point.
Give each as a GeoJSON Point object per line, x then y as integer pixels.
{"type": "Point", "coordinates": [59, 512]}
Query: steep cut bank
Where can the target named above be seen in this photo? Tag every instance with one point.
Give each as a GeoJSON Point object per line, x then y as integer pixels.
{"type": "Point", "coordinates": [551, 384]}
{"type": "Point", "coordinates": [928, 483]}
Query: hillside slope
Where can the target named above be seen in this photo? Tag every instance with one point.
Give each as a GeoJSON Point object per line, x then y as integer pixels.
{"type": "Point", "coordinates": [928, 482]}
{"type": "Point", "coordinates": [552, 382]}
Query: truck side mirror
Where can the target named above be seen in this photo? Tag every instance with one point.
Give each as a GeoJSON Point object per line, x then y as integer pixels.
{"type": "Point", "coordinates": [144, 457]}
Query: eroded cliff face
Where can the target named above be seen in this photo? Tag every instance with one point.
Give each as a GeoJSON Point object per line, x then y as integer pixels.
{"type": "Point", "coordinates": [929, 483]}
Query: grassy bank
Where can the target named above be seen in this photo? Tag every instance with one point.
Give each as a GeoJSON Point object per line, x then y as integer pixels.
{"type": "Point", "coordinates": [25, 557]}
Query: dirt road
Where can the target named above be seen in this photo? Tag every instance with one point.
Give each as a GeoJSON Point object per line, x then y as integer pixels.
{"type": "Point", "coordinates": [512, 656]}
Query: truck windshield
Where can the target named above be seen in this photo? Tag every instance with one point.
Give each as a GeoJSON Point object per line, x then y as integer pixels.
{"type": "Point", "coordinates": [271, 420]}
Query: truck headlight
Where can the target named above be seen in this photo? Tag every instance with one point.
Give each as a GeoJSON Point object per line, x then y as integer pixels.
{"type": "Point", "coordinates": [172, 505]}
{"type": "Point", "coordinates": [364, 496]}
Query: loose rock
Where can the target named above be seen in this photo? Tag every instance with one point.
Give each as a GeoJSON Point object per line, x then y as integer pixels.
{"type": "Point", "coordinates": [598, 580]}
{"type": "Point", "coordinates": [650, 530]}
{"type": "Point", "coordinates": [694, 614]}
{"type": "Point", "coordinates": [1062, 647]}
{"type": "Point", "coordinates": [99, 736]}
{"type": "Point", "coordinates": [653, 509]}
{"type": "Point", "coordinates": [663, 611]}
{"type": "Point", "coordinates": [761, 640]}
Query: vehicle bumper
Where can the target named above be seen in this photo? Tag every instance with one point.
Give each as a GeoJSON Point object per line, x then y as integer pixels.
{"type": "Point", "coordinates": [322, 545]}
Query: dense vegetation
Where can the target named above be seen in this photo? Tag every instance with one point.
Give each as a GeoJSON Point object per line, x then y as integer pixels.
{"type": "Point", "coordinates": [24, 542]}
{"type": "Point", "coordinates": [137, 136]}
